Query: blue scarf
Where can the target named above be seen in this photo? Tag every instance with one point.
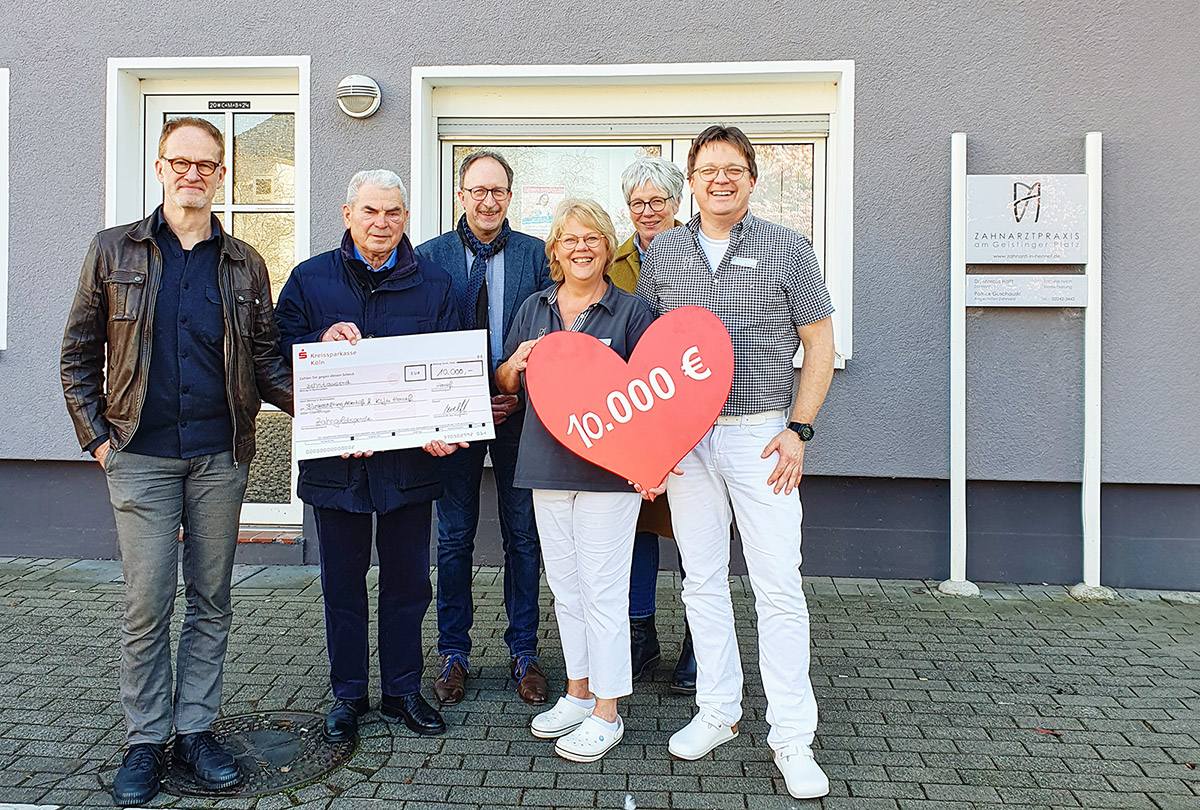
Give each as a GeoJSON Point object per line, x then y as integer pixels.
{"type": "Point", "coordinates": [483, 254]}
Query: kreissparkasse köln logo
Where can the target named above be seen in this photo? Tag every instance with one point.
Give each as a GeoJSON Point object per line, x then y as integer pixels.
{"type": "Point", "coordinates": [303, 354]}
{"type": "Point", "coordinates": [1024, 196]}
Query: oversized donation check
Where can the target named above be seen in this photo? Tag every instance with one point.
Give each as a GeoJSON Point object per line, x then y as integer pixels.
{"type": "Point", "coordinates": [391, 392]}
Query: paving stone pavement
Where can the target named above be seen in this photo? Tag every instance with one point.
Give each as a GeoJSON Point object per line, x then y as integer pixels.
{"type": "Point", "coordinates": [1022, 698]}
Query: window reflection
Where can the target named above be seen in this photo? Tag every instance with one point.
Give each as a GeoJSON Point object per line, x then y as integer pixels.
{"type": "Point", "coordinates": [784, 192]}
{"type": "Point", "coordinates": [264, 159]}
{"type": "Point", "coordinates": [274, 236]}
{"type": "Point", "coordinates": [545, 175]}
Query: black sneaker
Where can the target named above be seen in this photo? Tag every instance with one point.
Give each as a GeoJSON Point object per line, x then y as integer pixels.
{"type": "Point", "coordinates": [210, 765]}
{"type": "Point", "coordinates": [140, 777]}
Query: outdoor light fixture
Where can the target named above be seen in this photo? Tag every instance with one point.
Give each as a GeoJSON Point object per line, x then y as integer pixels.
{"type": "Point", "coordinates": [358, 96]}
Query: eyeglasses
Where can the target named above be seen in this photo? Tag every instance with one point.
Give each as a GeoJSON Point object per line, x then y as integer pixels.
{"type": "Point", "coordinates": [655, 204]}
{"type": "Point", "coordinates": [707, 173]}
{"type": "Point", "coordinates": [571, 242]}
{"type": "Point", "coordinates": [498, 194]}
{"type": "Point", "coordinates": [183, 165]}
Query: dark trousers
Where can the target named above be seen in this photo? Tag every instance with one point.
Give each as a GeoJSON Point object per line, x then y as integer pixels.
{"type": "Point", "coordinates": [458, 519]}
{"type": "Point", "coordinates": [643, 575]}
{"type": "Point", "coordinates": [402, 538]}
{"type": "Point", "coordinates": [151, 497]}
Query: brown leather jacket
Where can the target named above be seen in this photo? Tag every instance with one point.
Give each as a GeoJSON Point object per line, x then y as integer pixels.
{"type": "Point", "coordinates": [114, 308]}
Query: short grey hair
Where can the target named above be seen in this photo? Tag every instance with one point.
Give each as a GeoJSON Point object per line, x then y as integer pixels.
{"type": "Point", "coordinates": [380, 178]}
{"type": "Point", "coordinates": [662, 174]}
{"type": "Point", "coordinates": [480, 155]}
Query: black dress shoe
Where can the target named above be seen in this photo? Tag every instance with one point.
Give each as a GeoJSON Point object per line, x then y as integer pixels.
{"type": "Point", "coordinates": [341, 724]}
{"type": "Point", "coordinates": [683, 681]}
{"type": "Point", "coordinates": [414, 712]}
{"type": "Point", "coordinates": [210, 765]}
{"type": "Point", "coordinates": [644, 652]}
{"type": "Point", "coordinates": [140, 777]}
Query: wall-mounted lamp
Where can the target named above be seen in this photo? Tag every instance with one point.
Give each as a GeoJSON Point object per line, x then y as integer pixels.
{"type": "Point", "coordinates": [358, 96]}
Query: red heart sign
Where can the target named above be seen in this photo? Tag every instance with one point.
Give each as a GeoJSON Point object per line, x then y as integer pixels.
{"type": "Point", "coordinates": [636, 419]}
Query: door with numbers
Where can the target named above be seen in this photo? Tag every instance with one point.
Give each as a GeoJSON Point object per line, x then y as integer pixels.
{"type": "Point", "coordinates": [258, 204]}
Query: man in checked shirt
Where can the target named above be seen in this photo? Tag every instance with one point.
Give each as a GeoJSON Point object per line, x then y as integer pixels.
{"type": "Point", "coordinates": [763, 281]}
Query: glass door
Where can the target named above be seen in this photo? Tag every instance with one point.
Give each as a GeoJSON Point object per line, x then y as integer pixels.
{"type": "Point", "coordinates": [257, 204]}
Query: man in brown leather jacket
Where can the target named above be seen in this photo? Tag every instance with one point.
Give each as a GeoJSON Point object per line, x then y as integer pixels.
{"type": "Point", "coordinates": [183, 313]}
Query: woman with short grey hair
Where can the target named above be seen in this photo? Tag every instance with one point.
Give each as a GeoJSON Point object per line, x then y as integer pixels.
{"type": "Point", "coordinates": [653, 188]}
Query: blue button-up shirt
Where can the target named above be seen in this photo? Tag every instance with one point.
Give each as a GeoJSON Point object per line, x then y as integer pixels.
{"type": "Point", "coordinates": [388, 265]}
{"type": "Point", "coordinates": [495, 292]}
{"type": "Point", "coordinates": [186, 410]}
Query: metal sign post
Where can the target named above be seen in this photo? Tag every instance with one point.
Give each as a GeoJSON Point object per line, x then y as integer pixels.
{"type": "Point", "coordinates": [1025, 219]}
{"type": "Point", "coordinates": [1091, 588]}
{"type": "Point", "coordinates": [958, 584]}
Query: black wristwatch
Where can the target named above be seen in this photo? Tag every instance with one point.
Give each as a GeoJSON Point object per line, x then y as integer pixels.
{"type": "Point", "coordinates": [804, 431]}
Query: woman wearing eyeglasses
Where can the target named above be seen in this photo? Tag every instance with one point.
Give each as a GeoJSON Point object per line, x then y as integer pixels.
{"type": "Point", "coordinates": [586, 516]}
{"type": "Point", "coordinates": [653, 188]}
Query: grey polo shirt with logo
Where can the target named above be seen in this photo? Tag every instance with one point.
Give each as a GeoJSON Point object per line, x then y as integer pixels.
{"type": "Point", "coordinates": [768, 284]}
{"type": "Point", "coordinates": [617, 319]}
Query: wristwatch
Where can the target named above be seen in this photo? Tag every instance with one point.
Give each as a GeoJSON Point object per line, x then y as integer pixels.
{"type": "Point", "coordinates": [804, 431]}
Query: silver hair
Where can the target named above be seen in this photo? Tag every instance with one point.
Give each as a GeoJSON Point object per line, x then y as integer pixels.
{"type": "Point", "coordinates": [662, 174]}
{"type": "Point", "coordinates": [380, 178]}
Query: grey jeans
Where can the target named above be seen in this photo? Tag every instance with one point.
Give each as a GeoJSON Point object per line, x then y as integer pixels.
{"type": "Point", "coordinates": [151, 498]}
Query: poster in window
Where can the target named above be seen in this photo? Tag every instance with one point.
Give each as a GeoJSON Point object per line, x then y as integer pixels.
{"type": "Point", "coordinates": [538, 204]}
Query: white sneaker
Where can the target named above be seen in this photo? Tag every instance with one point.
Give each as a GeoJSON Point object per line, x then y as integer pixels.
{"type": "Point", "coordinates": [590, 741]}
{"type": "Point", "coordinates": [801, 773]}
{"type": "Point", "coordinates": [564, 718]}
{"type": "Point", "coordinates": [700, 736]}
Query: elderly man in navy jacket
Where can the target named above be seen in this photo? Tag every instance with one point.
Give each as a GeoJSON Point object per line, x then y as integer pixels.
{"type": "Point", "coordinates": [373, 285]}
{"type": "Point", "coordinates": [493, 269]}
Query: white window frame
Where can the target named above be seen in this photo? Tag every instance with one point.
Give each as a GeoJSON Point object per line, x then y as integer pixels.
{"type": "Point", "coordinates": [4, 119]}
{"type": "Point", "coordinates": [519, 86]}
{"type": "Point", "coordinates": [130, 80]}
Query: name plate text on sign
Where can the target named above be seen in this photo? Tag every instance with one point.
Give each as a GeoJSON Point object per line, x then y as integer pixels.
{"type": "Point", "coordinates": [1027, 219]}
{"type": "Point", "coordinates": [1026, 291]}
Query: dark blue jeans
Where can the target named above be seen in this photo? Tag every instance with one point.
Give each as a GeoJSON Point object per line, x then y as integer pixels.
{"type": "Point", "coordinates": [458, 519]}
{"type": "Point", "coordinates": [402, 538]}
{"type": "Point", "coordinates": [643, 575]}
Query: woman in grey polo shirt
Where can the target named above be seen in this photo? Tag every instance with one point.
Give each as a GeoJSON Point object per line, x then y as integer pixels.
{"type": "Point", "coordinates": [586, 515]}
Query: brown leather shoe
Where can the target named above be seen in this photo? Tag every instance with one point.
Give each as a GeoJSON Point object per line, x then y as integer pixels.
{"type": "Point", "coordinates": [531, 682]}
{"type": "Point", "coordinates": [450, 685]}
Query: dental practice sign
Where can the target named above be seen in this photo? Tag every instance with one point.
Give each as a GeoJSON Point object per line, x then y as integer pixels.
{"type": "Point", "coordinates": [1027, 219]}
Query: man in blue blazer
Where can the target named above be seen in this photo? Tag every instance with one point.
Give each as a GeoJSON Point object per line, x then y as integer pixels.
{"type": "Point", "coordinates": [493, 269]}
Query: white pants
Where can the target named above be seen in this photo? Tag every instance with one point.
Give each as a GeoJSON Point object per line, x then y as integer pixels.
{"type": "Point", "coordinates": [587, 547]}
{"type": "Point", "coordinates": [727, 468]}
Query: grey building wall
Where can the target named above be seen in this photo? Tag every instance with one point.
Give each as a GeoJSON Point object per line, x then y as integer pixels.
{"type": "Point", "coordinates": [1025, 81]}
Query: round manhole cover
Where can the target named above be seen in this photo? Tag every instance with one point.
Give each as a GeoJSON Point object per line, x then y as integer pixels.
{"type": "Point", "coordinates": [276, 751]}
